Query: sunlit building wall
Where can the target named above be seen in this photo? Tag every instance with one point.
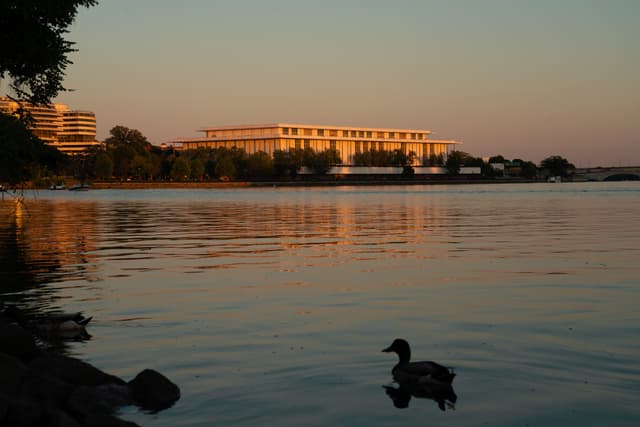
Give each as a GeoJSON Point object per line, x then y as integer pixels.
{"type": "Point", "coordinates": [346, 140]}
{"type": "Point", "coordinates": [78, 131]}
{"type": "Point", "coordinates": [69, 131]}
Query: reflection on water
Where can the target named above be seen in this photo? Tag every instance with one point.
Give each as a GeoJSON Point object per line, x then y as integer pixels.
{"type": "Point", "coordinates": [442, 394]}
{"type": "Point", "coordinates": [270, 305]}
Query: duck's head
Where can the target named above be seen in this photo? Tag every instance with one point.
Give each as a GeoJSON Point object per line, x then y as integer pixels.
{"type": "Point", "coordinates": [401, 348]}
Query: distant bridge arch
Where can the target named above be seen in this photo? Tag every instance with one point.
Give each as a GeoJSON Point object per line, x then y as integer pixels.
{"type": "Point", "coordinates": [623, 177]}
{"type": "Point", "coordinates": [626, 173]}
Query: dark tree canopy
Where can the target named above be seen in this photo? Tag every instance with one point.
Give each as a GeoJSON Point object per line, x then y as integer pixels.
{"type": "Point", "coordinates": [22, 152]}
{"type": "Point", "coordinates": [124, 136]}
{"type": "Point", "coordinates": [557, 165]}
{"type": "Point", "coordinates": [455, 160]}
{"type": "Point", "coordinates": [34, 53]}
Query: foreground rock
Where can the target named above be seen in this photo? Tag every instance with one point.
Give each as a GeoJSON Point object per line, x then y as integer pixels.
{"type": "Point", "coordinates": [152, 390]}
{"type": "Point", "coordinates": [44, 389]}
{"type": "Point", "coordinates": [16, 341]}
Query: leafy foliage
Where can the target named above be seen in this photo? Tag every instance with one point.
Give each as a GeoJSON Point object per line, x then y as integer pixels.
{"type": "Point", "coordinates": [123, 136]}
{"type": "Point", "coordinates": [321, 162]}
{"type": "Point", "coordinates": [557, 166]}
{"type": "Point", "coordinates": [23, 154]}
{"type": "Point", "coordinates": [288, 162]}
{"type": "Point", "coordinates": [34, 53]}
{"type": "Point", "coordinates": [180, 170]}
{"type": "Point", "coordinates": [383, 158]}
{"type": "Point", "coordinates": [455, 160]}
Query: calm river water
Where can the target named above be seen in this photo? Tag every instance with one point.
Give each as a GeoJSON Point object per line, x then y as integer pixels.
{"type": "Point", "coordinates": [271, 306]}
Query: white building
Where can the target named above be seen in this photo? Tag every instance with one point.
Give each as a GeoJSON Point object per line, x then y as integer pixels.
{"type": "Point", "coordinates": [346, 140]}
{"type": "Point", "coordinates": [71, 132]}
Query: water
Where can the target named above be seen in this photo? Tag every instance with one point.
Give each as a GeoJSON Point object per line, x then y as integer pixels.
{"type": "Point", "coordinates": [271, 306]}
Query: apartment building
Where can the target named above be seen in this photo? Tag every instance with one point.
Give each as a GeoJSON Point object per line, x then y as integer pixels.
{"type": "Point", "coordinates": [71, 132]}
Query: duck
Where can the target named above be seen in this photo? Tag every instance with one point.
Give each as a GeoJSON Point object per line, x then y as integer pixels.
{"type": "Point", "coordinates": [409, 373]}
{"type": "Point", "coordinates": [65, 329]}
{"type": "Point", "coordinates": [52, 326]}
{"type": "Point", "coordinates": [62, 326]}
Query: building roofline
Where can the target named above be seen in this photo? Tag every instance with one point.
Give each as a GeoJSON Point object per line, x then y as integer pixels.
{"type": "Point", "coordinates": [309, 125]}
{"type": "Point", "coordinates": [337, 138]}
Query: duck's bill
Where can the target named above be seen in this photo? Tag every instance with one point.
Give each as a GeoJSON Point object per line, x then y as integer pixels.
{"type": "Point", "coordinates": [387, 350]}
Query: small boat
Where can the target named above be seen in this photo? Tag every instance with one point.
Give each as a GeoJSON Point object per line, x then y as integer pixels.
{"type": "Point", "coordinates": [554, 179]}
{"type": "Point", "coordinates": [58, 187]}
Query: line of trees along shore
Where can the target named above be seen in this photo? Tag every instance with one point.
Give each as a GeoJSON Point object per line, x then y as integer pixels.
{"type": "Point", "coordinates": [128, 155]}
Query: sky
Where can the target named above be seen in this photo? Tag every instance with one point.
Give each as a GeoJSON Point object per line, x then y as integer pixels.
{"type": "Point", "coordinates": [524, 79]}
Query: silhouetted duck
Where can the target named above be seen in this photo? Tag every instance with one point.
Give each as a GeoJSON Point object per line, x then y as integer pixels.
{"type": "Point", "coordinates": [62, 326]}
{"type": "Point", "coordinates": [51, 325]}
{"type": "Point", "coordinates": [409, 373]}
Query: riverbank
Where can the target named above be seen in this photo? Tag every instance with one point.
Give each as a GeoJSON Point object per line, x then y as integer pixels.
{"type": "Point", "coordinates": [134, 185]}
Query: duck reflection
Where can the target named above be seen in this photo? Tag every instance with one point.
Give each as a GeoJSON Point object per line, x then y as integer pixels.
{"type": "Point", "coordinates": [442, 394]}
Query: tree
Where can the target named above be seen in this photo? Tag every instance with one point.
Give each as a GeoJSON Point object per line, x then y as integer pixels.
{"type": "Point", "coordinates": [21, 151]}
{"type": "Point", "coordinates": [320, 163]}
{"type": "Point", "coordinates": [139, 167]}
{"type": "Point", "coordinates": [436, 160]}
{"type": "Point", "coordinates": [33, 51]}
{"type": "Point", "coordinates": [280, 162]}
{"type": "Point", "coordinates": [364, 158]}
{"type": "Point", "coordinates": [225, 167]}
{"type": "Point", "coordinates": [528, 170]}
{"type": "Point", "coordinates": [399, 158]}
{"type": "Point", "coordinates": [497, 159]}
{"type": "Point", "coordinates": [197, 169]}
{"type": "Point", "coordinates": [455, 160]}
{"type": "Point", "coordinates": [121, 135]}
{"type": "Point", "coordinates": [557, 166]}
{"type": "Point", "coordinates": [103, 166]}
{"type": "Point", "coordinates": [260, 165]}
{"type": "Point", "coordinates": [289, 161]}
{"type": "Point", "coordinates": [122, 158]}
{"type": "Point", "coordinates": [180, 169]}
{"type": "Point", "coordinates": [165, 166]}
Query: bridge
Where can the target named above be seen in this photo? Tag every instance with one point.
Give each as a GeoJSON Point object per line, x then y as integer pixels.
{"type": "Point", "coordinates": [625, 173]}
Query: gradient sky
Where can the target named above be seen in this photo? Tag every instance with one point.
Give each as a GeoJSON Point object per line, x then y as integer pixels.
{"type": "Point", "coordinates": [523, 79]}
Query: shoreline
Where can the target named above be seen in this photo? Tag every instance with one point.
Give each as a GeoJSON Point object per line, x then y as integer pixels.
{"type": "Point", "coordinates": [130, 185]}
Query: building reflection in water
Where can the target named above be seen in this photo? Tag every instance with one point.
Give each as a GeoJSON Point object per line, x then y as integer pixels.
{"type": "Point", "coordinates": [52, 241]}
{"type": "Point", "coordinates": [43, 242]}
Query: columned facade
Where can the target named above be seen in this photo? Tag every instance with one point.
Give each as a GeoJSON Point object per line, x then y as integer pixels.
{"type": "Point", "coordinates": [346, 140]}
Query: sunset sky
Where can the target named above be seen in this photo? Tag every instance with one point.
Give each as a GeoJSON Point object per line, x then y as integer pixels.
{"type": "Point", "coordinates": [523, 79]}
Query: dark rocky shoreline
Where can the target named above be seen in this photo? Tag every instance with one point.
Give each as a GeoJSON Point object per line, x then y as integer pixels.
{"type": "Point", "coordinates": [43, 388]}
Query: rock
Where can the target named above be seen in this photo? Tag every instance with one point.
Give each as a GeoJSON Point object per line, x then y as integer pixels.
{"type": "Point", "coordinates": [4, 408]}
{"type": "Point", "coordinates": [45, 390]}
{"type": "Point", "coordinates": [102, 420]}
{"type": "Point", "coordinates": [17, 342]}
{"type": "Point", "coordinates": [102, 399]}
{"type": "Point", "coordinates": [21, 413]}
{"type": "Point", "coordinates": [12, 373]}
{"type": "Point", "coordinates": [58, 418]}
{"type": "Point", "coordinates": [70, 370]}
{"type": "Point", "coordinates": [152, 390]}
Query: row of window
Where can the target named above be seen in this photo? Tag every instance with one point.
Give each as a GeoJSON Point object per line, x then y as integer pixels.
{"type": "Point", "coordinates": [355, 134]}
